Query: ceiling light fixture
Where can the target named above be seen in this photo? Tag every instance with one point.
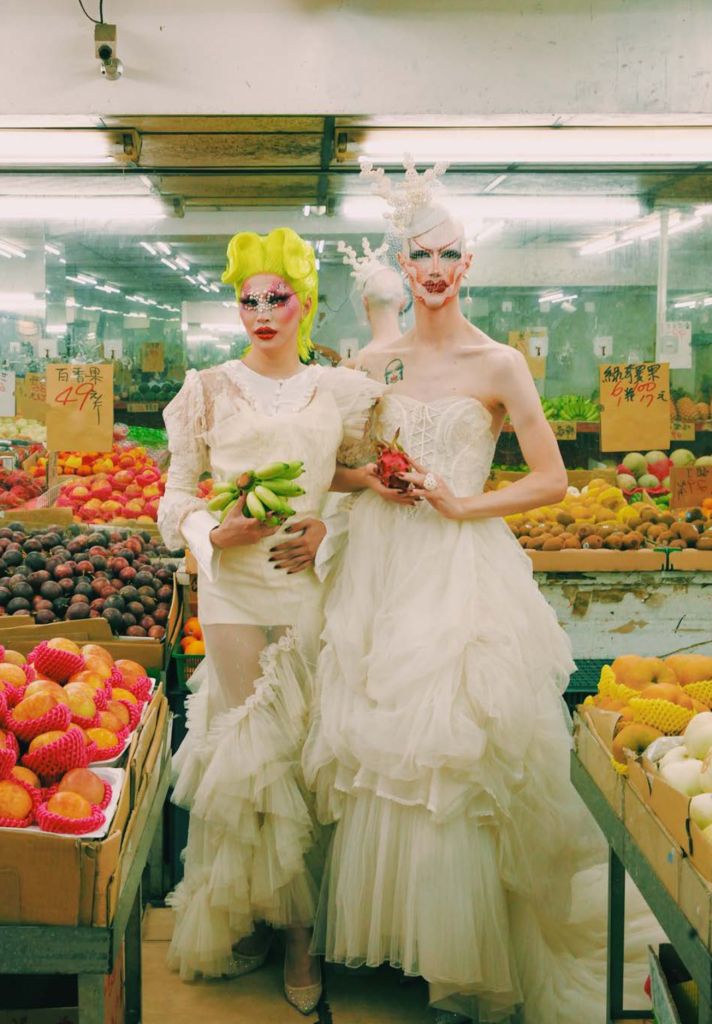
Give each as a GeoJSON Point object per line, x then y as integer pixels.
{"type": "Point", "coordinates": [10, 249]}
{"type": "Point", "coordinates": [68, 147]}
{"type": "Point", "coordinates": [544, 146]}
{"type": "Point", "coordinates": [79, 208]}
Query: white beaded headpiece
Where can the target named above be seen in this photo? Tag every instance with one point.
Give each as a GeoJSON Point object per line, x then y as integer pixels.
{"type": "Point", "coordinates": [364, 267]}
{"type": "Point", "coordinates": [413, 209]}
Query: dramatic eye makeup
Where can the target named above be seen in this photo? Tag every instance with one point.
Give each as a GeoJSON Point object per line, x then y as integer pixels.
{"type": "Point", "coordinates": [270, 300]}
{"type": "Point", "coordinates": [419, 254]}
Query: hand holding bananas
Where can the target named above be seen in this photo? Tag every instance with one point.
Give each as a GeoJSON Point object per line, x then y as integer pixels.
{"type": "Point", "coordinates": [254, 505]}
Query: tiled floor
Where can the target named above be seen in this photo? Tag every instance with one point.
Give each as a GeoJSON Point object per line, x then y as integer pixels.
{"type": "Point", "coordinates": [371, 997]}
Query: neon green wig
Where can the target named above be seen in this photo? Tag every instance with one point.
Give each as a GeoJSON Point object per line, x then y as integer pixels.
{"type": "Point", "coordinates": [284, 253]}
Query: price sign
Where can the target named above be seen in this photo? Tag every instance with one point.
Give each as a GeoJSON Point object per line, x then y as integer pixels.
{"type": "Point", "coordinates": [113, 349]}
{"type": "Point", "coordinates": [152, 357]}
{"type": "Point", "coordinates": [635, 406]}
{"type": "Point", "coordinates": [7, 393]}
{"type": "Point", "coordinates": [525, 342]}
{"type": "Point", "coordinates": [682, 431]}
{"type": "Point", "coordinates": [690, 485]}
{"type": "Point", "coordinates": [80, 407]}
{"type": "Point", "coordinates": [31, 397]}
{"type": "Point", "coordinates": [564, 430]}
{"type": "Point", "coordinates": [674, 344]}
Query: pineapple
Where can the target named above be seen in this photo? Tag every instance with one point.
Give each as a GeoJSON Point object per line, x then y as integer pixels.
{"type": "Point", "coordinates": [686, 408]}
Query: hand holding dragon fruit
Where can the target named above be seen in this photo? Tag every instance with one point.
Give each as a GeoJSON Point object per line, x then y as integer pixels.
{"type": "Point", "coordinates": [392, 461]}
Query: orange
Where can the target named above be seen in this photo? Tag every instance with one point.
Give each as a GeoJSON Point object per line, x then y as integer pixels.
{"type": "Point", "coordinates": [15, 802]}
{"type": "Point", "coordinates": [84, 782]}
{"type": "Point", "coordinates": [118, 693]}
{"type": "Point", "coordinates": [69, 805]}
{"type": "Point", "coordinates": [104, 738]}
{"type": "Point", "coordinates": [44, 738]}
{"type": "Point", "coordinates": [35, 706]}
{"type": "Point", "coordinates": [12, 674]}
{"type": "Point", "coordinates": [61, 643]}
{"type": "Point", "coordinates": [192, 627]}
{"type": "Point", "coordinates": [25, 775]}
{"type": "Point", "coordinates": [194, 647]}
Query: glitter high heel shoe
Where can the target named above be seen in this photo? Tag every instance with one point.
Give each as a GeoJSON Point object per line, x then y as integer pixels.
{"type": "Point", "coordinates": [246, 963]}
{"type": "Point", "coordinates": [305, 999]}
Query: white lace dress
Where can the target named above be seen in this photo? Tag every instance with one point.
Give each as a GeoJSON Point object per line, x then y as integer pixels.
{"type": "Point", "coordinates": [253, 848]}
{"type": "Point", "coordinates": [440, 746]}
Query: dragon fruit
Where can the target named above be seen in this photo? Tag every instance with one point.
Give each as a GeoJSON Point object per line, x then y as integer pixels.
{"type": "Point", "coordinates": [392, 461]}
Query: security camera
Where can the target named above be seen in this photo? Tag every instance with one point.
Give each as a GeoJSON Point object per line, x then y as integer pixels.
{"type": "Point", "coordinates": [111, 67]}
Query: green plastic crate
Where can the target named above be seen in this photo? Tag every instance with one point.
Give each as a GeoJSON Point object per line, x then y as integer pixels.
{"type": "Point", "coordinates": [186, 665]}
{"type": "Point", "coordinates": [584, 680]}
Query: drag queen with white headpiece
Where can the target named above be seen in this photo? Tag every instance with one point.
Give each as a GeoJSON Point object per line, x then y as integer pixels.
{"type": "Point", "coordinates": [380, 292]}
{"type": "Point", "coordinates": [440, 742]}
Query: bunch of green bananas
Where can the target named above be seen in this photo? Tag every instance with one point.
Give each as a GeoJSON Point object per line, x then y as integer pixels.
{"type": "Point", "coordinates": [265, 490]}
{"type": "Point", "coordinates": [571, 407]}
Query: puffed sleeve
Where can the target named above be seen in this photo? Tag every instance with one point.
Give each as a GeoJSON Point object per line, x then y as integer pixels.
{"type": "Point", "coordinates": [183, 517]}
{"type": "Point", "coordinates": [356, 397]}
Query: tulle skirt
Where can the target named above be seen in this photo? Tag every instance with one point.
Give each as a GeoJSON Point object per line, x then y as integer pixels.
{"type": "Point", "coordinates": [254, 848]}
{"type": "Point", "coordinates": [440, 745]}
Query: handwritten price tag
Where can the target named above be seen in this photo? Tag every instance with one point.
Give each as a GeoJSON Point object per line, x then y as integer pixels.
{"type": "Point", "coordinates": [152, 357]}
{"type": "Point", "coordinates": [31, 397]}
{"type": "Point", "coordinates": [635, 406]}
{"type": "Point", "coordinates": [7, 393]}
{"type": "Point", "coordinates": [80, 407]}
{"type": "Point", "coordinates": [690, 485]}
{"type": "Point", "coordinates": [564, 430]}
{"type": "Point", "coordinates": [681, 431]}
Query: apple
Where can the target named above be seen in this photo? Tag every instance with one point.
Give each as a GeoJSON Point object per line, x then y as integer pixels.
{"type": "Point", "coordinates": [134, 490]}
{"type": "Point", "coordinates": [122, 479]}
{"type": "Point", "coordinates": [101, 490]}
{"type": "Point", "coordinates": [15, 801]}
{"type": "Point", "coordinates": [48, 686]}
{"type": "Point", "coordinates": [104, 738]}
{"type": "Point", "coordinates": [698, 735]}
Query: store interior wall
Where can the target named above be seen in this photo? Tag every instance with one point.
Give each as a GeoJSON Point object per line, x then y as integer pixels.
{"type": "Point", "coordinates": [533, 60]}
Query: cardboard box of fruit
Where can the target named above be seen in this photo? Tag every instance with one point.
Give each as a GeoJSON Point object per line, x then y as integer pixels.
{"type": "Point", "coordinates": [46, 875]}
{"type": "Point", "coordinates": [651, 719]}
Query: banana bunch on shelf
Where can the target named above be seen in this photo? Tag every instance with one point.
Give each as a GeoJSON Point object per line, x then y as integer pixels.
{"type": "Point", "coordinates": [571, 407]}
{"type": "Point", "coordinates": [266, 491]}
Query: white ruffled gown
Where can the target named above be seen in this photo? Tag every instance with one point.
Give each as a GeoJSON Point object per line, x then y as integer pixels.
{"type": "Point", "coordinates": [440, 745]}
{"type": "Point", "coordinates": [255, 849]}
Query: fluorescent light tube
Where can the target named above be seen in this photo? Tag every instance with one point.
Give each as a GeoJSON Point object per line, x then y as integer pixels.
{"type": "Point", "coordinates": [543, 146]}
{"type": "Point", "coordinates": [67, 147]}
{"type": "Point", "coordinates": [80, 208]}
{"type": "Point", "coordinates": [12, 250]}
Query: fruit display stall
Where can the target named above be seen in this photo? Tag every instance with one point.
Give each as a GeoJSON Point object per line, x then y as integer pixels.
{"type": "Point", "coordinates": [642, 762]}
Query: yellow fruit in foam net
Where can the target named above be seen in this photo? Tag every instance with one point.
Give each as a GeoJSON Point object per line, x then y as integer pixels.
{"type": "Point", "coordinates": [701, 691]}
{"type": "Point", "coordinates": [661, 714]}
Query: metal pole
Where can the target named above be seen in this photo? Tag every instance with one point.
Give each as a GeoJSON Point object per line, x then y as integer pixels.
{"type": "Point", "coordinates": [663, 259]}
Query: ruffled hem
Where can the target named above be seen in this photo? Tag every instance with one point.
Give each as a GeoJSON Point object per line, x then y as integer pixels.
{"type": "Point", "coordinates": [430, 898]}
{"type": "Point", "coordinates": [253, 852]}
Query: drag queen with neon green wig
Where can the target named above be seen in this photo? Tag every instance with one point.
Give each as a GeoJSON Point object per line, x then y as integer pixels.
{"type": "Point", "coordinates": [253, 859]}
